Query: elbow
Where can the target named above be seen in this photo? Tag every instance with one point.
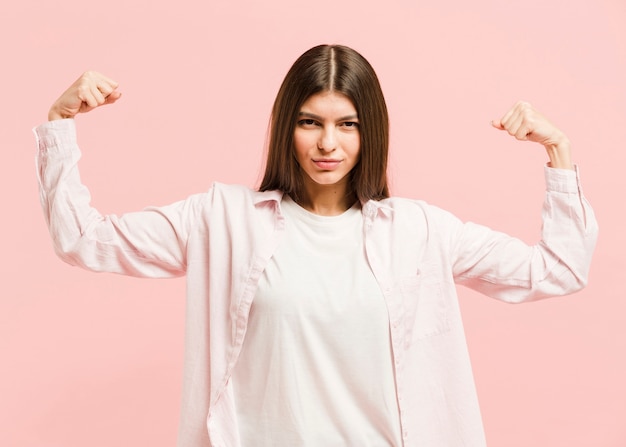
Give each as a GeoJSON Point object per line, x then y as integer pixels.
{"type": "Point", "coordinates": [66, 253]}
{"type": "Point", "coordinates": [566, 282]}
{"type": "Point", "coordinates": [576, 274]}
{"type": "Point", "coordinates": [580, 280]}
{"type": "Point", "coordinates": [576, 285]}
{"type": "Point", "coordinates": [68, 249]}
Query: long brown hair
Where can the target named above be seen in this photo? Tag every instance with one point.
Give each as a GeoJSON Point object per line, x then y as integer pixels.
{"type": "Point", "coordinates": [339, 69]}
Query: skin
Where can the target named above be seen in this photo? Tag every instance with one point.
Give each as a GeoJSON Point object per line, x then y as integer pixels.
{"type": "Point", "coordinates": [91, 90]}
{"type": "Point", "coordinates": [327, 129]}
{"type": "Point", "coordinates": [327, 146]}
{"type": "Point", "coordinates": [526, 124]}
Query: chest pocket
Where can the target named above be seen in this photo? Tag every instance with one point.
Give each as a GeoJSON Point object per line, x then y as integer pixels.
{"type": "Point", "coordinates": [425, 310]}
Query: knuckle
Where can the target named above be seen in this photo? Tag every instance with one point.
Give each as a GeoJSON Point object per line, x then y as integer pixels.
{"type": "Point", "coordinates": [521, 135]}
{"type": "Point", "coordinates": [82, 90]}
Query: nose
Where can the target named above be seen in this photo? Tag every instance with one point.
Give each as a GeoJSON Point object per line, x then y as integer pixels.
{"type": "Point", "coordinates": [328, 140]}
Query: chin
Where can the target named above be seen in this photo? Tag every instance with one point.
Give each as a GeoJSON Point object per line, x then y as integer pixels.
{"type": "Point", "coordinates": [328, 181]}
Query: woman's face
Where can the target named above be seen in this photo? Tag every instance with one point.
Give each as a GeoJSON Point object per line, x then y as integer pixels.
{"type": "Point", "coordinates": [327, 139]}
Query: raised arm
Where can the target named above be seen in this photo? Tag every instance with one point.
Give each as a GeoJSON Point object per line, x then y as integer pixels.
{"type": "Point", "coordinates": [508, 269]}
{"type": "Point", "coordinates": [148, 243]}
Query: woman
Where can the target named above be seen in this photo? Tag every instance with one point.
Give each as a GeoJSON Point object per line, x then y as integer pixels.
{"type": "Point", "coordinates": [320, 311]}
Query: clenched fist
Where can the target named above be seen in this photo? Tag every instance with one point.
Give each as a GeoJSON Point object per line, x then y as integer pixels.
{"type": "Point", "coordinates": [525, 123]}
{"type": "Point", "coordinates": [91, 90]}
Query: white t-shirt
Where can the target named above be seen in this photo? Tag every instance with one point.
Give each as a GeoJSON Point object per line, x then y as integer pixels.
{"type": "Point", "coordinates": [316, 364]}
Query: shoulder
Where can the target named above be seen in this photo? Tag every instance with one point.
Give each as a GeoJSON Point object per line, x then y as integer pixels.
{"type": "Point", "coordinates": [408, 224]}
{"type": "Point", "coordinates": [241, 210]}
{"type": "Point", "coordinates": [408, 209]}
{"type": "Point", "coordinates": [415, 219]}
{"type": "Point", "coordinates": [228, 196]}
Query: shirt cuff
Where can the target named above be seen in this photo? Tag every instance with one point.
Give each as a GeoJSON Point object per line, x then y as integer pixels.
{"type": "Point", "coordinates": [562, 180]}
{"type": "Point", "coordinates": [57, 137]}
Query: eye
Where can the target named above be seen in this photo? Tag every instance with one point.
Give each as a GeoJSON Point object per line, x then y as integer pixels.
{"type": "Point", "coordinates": [307, 122]}
{"type": "Point", "coordinates": [350, 125]}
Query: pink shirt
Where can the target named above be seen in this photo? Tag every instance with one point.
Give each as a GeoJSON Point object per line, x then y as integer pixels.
{"type": "Point", "coordinates": [222, 240]}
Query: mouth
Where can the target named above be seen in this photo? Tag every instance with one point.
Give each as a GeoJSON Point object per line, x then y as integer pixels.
{"type": "Point", "coordinates": [327, 164]}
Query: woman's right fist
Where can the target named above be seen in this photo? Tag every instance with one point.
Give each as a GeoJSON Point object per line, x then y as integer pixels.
{"type": "Point", "coordinates": [91, 90]}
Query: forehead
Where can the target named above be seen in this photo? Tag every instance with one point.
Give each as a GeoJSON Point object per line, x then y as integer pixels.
{"type": "Point", "coordinates": [328, 103]}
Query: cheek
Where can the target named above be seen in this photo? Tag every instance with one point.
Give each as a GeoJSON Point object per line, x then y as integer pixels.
{"type": "Point", "coordinates": [354, 146]}
{"type": "Point", "coordinates": [303, 142]}
{"type": "Point", "coordinates": [299, 146]}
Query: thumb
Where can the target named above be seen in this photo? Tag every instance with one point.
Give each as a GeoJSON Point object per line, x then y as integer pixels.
{"type": "Point", "coordinates": [112, 97]}
{"type": "Point", "coordinates": [497, 124]}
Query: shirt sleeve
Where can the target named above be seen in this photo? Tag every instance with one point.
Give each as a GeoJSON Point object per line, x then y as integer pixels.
{"type": "Point", "coordinates": [506, 268]}
{"type": "Point", "coordinates": [149, 243]}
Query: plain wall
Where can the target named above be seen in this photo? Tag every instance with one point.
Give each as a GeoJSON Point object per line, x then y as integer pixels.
{"type": "Point", "coordinates": [96, 359]}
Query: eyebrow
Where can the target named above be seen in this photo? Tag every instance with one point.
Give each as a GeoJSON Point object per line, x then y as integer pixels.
{"type": "Point", "coordinates": [319, 118]}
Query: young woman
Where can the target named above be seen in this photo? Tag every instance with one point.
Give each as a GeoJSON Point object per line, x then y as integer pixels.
{"type": "Point", "coordinates": [320, 311]}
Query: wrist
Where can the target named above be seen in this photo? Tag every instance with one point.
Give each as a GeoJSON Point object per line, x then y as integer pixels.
{"type": "Point", "coordinates": [560, 154]}
{"type": "Point", "coordinates": [54, 114]}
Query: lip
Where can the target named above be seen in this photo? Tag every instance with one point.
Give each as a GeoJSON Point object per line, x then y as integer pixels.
{"type": "Point", "coordinates": [327, 164]}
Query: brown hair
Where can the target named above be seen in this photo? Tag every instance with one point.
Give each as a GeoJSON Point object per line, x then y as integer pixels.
{"type": "Point", "coordinates": [339, 69]}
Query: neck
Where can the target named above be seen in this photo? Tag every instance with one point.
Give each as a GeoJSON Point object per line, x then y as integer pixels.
{"type": "Point", "coordinates": [327, 200]}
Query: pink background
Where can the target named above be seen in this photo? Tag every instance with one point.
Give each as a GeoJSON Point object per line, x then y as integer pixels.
{"type": "Point", "coordinates": [96, 359]}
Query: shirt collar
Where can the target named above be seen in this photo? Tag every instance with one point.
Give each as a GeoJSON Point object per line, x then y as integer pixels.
{"type": "Point", "coordinates": [259, 197]}
{"type": "Point", "coordinates": [372, 208]}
